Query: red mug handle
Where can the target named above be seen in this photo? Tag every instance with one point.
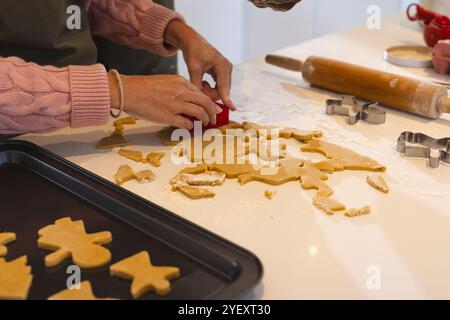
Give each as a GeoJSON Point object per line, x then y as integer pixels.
{"type": "Point", "coordinates": [421, 13]}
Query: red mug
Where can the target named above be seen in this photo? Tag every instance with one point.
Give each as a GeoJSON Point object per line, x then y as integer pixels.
{"type": "Point", "coordinates": [436, 26]}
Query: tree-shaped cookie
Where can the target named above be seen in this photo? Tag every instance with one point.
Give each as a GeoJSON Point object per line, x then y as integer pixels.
{"type": "Point", "coordinates": [15, 279]}
{"type": "Point", "coordinates": [144, 275]}
{"type": "Point", "coordinates": [83, 293]}
{"type": "Point", "coordinates": [69, 240]}
{"type": "Point", "coordinates": [5, 238]}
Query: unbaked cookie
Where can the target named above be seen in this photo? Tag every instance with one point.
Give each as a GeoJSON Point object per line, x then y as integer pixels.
{"type": "Point", "coordinates": [68, 239]}
{"type": "Point", "coordinates": [15, 279]}
{"type": "Point", "coordinates": [83, 293]}
{"type": "Point", "coordinates": [145, 277]}
{"type": "Point", "coordinates": [5, 238]}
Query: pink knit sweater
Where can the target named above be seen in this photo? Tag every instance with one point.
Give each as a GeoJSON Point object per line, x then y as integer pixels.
{"type": "Point", "coordinates": [37, 98]}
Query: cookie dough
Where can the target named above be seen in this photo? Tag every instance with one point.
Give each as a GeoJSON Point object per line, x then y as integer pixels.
{"type": "Point", "coordinates": [124, 121]}
{"type": "Point", "coordinates": [124, 174]}
{"type": "Point", "coordinates": [68, 239]}
{"type": "Point", "coordinates": [269, 194]}
{"type": "Point", "coordinates": [232, 171]}
{"type": "Point", "coordinates": [166, 136]}
{"type": "Point", "coordinates": [201, 168]}
{"type": "Point", "coordinates": [144, 176]}
{"type": "Point", "coordinates": [136, 156]}
{"type": "Point", "coordinates": [113, 141]}
{"type": "Point", "coordinates": [349, 159]}
{"type": "Point", "coordinates": [83, 293]}
{"type": "Point", "coordinates": [328, 205]}
{"type": "Point", "coordinates": [300, 135]}
{"type": "Point", "coordinates": [377, 182]}
{"type": "Point", "coordinates": [15, 279]}
{"type": "Point", "coordinates": [154, 158]}
{"type": "Point", "coordinates": [145, 277]}
{"type": "Point", "coordinates": [194, 193]}
{"type": "Point", "coordinates": [281, 176]}
{"type": "Point", "coordinates": [352, 213]}
{"type": "Point", "coordinates": [210, 178]}
{"type": "Point", "coordinates": [5, 238]}
{"type": "Point", "coordinates": [312, 178]}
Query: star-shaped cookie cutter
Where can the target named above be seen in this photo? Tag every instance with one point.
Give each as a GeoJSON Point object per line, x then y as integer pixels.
{"type": "Point", "coordinates": [356, 110]}
{"type": "Point", "coordinates": [435, 150]}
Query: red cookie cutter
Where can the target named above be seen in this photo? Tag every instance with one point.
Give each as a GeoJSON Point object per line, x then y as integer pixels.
{"type": "Point", "coordinates": [222, 118]}
{"type": "Point", "coordinates": [436, 26]}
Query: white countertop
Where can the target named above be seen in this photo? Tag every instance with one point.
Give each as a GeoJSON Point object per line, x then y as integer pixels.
{"type": "Point", "coordinates": [305, 253]}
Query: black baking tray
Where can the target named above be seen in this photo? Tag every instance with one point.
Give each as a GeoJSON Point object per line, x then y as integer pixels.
{"type": "Point", "coordinates": [38, 187]}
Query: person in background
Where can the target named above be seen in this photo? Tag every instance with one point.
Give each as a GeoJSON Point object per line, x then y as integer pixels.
{"type": "Point", "coordinates": [50, 77]}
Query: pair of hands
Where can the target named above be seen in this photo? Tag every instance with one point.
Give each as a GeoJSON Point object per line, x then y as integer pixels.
{"type": "Point", "coordinates": [164, 98]}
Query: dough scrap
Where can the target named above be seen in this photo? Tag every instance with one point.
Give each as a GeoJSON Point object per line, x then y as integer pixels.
{"type": "Point", "coordinates": [124, 121]}
{"type": "Point", "coordinates": [300, 135]}
{"type": "Point", "coordinates": [349, 159]}
{"type": "Point", "coordinates": [210, 178]}
{"type": "Point", "coordinates": [136, 156]}
{"type": "Point", "coordinates": [328, 205]}
{"type": "Point", "coordinates": [201, 168]}
{"type": "Point", "coordinates": [145, 277]}
{"type": "Point", "coordinates": [377, 182]}
{"type": "Point", "coordinates": [312, 178]}
{"type": "Point", "coordinates": [269, 194]}
{"type": "Point", "coordinates": [5, 238]}
{"type": "Point", "coordinates": [231, 125]}
{"type": "Point", "coordinates": [124, 174]}
{"type": "Point", "coordinates": [68, 239]}
{"type": "Point", "coordinates": [144, 176]}
{"type": "Point", "coordinates": [232, 171]}
{"type": "Point", "coordinates": [15, 279]}
{"type": "Point", "coordinates": [116, 140]}
{"type": "Point", "coordinates": [291, 163]}
{"type": "Point", "coordinates": [83, 293]}
{"type": "Point", "coordinates": [194, 193]}
{"type": "Point", "coordinates": [352, 213]}
{"type": "Point", "coordinates": [154, 158]}
{"type": "Point", "coordinates": [166, 136]}
{"type": "Point", "coordinates": [281, 176]}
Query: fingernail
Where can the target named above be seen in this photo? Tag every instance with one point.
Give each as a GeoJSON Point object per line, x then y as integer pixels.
{"type": "Point", "coordinates": [218, 109]}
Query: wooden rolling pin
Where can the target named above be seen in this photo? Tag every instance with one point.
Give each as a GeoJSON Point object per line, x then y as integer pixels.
{"type": "Point", "coordinates": [411, 95]}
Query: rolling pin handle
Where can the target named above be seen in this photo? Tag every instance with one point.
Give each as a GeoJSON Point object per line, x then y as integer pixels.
{"type": "Point", "coordinates": [285, 62]}
{"type": "Point", "coordinates": [444, 105]}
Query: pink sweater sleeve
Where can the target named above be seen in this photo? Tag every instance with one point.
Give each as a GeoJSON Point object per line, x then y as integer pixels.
{"type": "Point", "coordinates": [37, 98]}
{"type": "Point", "coordinates": [136, 23]}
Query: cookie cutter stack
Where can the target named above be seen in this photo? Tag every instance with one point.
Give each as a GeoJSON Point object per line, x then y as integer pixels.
{"type": "Point", "coordinates": [356, 110]}
{"type": "Point", "coordinates": [435, 150]}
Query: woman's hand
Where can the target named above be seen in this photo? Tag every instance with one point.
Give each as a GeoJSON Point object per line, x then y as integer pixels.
{"type": "Point", "coordinates": [201, 57]}
{"type": "Point", "coordinates": [163, 99]}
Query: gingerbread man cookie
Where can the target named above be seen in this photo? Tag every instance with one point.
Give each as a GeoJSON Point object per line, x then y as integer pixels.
{"type": "Point", "coordinates": [68, 239]}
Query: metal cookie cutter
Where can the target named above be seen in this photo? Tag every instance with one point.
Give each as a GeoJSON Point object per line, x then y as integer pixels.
{"type": "Point", "coordinates": [429, 150]}
{"type": "Point", "coordinates": [357, 110]}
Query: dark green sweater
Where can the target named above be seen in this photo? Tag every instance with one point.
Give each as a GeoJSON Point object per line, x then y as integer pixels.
{"type": "Point", "coordinates": [36, 30]}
